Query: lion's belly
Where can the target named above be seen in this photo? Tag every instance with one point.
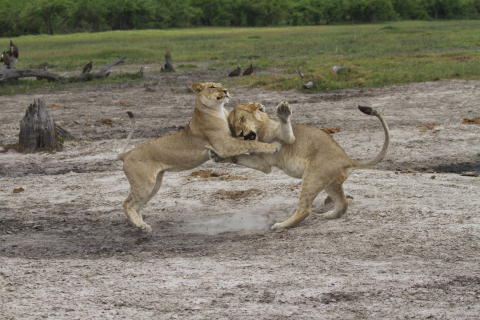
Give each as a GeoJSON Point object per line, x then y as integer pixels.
{"type": "Point", "coordinates": [292, 166]}
{"type": "Point", "coordinates": [190, 162]}
{"type": "Point", "coordinates": [293, 169]}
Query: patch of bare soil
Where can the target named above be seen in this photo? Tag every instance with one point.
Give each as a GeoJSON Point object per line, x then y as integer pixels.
{"type": "Point", "coordinates": [237, 194]}
{"type": "Point", "coordinates": [408, 247]}
{"type": "Point", "coordinates": [475, 120]}
{"type": "Point", "coordinates": [214, 174]}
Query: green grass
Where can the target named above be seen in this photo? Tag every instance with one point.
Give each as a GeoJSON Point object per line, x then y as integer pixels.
{"type": "Point", "coordinates": [376, 54]}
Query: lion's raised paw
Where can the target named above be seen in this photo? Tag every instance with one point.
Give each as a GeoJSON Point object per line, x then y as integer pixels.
{"type": "Point", "coordinates": [284, 110]}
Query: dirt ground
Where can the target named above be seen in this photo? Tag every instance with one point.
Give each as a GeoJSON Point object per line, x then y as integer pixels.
{"type": "Point", "coordinates": [408, 247]}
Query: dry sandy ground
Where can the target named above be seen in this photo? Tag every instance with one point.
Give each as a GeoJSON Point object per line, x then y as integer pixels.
{"type": "Point", "coordinates": [408, 247]}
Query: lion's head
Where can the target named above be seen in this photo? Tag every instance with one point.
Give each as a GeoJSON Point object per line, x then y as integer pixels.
{"type": "Point", "coordinates": [246, 120]}
{"type": "Point", "coordinates": [211, 94]}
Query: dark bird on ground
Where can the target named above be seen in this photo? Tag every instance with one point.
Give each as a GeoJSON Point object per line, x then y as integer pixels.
{"type": "Point", "coordinates": [248, 71]}
{"type": "Point", "coordinates": [6, 58]}
{"type": "Point", "coordinates": [88, 67]}
{"type": "Point", "coordinates": [13, 49]}
{"type": "Point", "coordinates": [45, 67]}
{"type": "Point", "coordinates": [236, 72]}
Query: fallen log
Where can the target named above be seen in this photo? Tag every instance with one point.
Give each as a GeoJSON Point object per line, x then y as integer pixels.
{"type": "Point", "coordinates": [7, 74]}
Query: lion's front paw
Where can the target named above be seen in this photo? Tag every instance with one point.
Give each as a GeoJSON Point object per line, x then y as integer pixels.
{"type": "Point", "coordinates": [275, 147]}
{"type": "Point", "coordinates": [278, 227]}
{"type": "Point", "coordinates": [284, 110]}
{"type": "Point", "coordinates": [147, 228]}
{"type": "Point", "coordinates": [215, 157]}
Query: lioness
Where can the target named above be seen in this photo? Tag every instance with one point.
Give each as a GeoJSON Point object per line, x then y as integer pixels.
{"type": "Point", "coordinates": [307, 153]}
{"type": "Point", "coordinates": [186, 149]}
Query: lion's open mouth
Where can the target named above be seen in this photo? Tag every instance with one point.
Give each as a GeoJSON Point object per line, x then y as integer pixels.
{"type": "Point", "coordinates": [251, 136]}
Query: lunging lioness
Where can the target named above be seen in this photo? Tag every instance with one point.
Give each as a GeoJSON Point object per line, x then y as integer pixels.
{"type": "Point", "coordinates": [186, 149]}
{"type": "Point", "coordinates": [307, 153]}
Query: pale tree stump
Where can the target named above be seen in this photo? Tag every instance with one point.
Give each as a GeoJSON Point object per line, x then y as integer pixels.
{"type": "Point", "coordinates": [168, 67]}
{"type": "Point", "coordinates": [37, 128]}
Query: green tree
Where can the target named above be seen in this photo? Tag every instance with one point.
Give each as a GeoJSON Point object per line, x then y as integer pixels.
{"type": "Point", "coordinates": [372, 10]}
{"type": "Point", "coordinates": [450, 9]}
{"type": "Point", "coordinates": [129, 14]}
{"type": "Point", "coordinates": [409, 9]}
{"type": "Point", "coordinates": [49, 11]}
{"type": "Point", "coordinates": [90, 14]}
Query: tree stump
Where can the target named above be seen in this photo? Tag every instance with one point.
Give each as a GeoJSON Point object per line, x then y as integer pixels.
{"type": "Point", "coordinates": [168, 67]}
{"type": "Point", "coordinates": [37, 128]}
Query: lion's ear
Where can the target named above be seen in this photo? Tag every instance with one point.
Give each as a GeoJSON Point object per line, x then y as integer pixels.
{"type": "Point", "coordinates": [197, 87]}
{"type": "Point", "coordinates": [261, 107]}
{"type": "Point", "coordinates": [256, 106]}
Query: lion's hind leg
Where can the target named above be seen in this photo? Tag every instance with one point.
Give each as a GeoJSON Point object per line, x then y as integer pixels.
{"type": "Point", "coordinates": [335, 191]}
{"type": "Point", "coordinates": [314, 181]}
{"type": "Point", "coordinates": [142, 188]}
{"type": "Point", "coordinates": [154, 191]}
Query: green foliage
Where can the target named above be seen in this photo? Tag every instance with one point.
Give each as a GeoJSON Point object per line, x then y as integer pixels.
{"type": "Point", "coordinates": [20, 17]}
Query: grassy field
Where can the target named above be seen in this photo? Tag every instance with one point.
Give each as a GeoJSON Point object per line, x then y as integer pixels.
{"type": "Point", "coordinates": [375, 54]}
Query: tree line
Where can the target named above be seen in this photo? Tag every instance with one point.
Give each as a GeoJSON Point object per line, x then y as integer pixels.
{"type": "Point", "coordinates": [20, 17]}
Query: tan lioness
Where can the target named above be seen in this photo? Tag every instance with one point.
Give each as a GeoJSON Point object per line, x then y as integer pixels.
{"type": "Point", "coordinates": [186, 149]}
{"type": "Point", "coordinates": [307, 153]}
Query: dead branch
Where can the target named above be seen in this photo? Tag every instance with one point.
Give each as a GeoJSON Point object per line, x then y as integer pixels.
{"type": "Point", "coordinates": [63, 133]}
{"type": "Point", "coordinates": [299, 72]}
{"type": "Point", "coordinates": [100, 74]}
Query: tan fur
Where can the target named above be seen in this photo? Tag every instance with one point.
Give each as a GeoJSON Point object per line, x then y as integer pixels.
{"type": "Point", "coordinates": [186, 149]}
{"type": "Point", "coordinates": [307, 153]}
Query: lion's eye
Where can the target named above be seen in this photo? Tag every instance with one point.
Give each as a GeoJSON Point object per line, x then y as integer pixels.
{"type": "Point", "coordinates": [212, 87]}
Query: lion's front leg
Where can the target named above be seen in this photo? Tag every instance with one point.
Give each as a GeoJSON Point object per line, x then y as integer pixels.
{"type": "Point", "coordinates": [252, 162]}
{"type": "Point", "coordinates": [284, 111]}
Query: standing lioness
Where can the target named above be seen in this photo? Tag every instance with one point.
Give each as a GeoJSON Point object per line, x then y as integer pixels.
{"type": "Point", "coordinates": [186, 149]}
{"type": "Point", "coordinates": [307, 153]}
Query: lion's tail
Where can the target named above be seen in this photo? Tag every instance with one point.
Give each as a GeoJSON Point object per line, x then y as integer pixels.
{"type": "Point", "coordinates": [363, 164]}
{"type": "Point", "coordinates": [132, 122]}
